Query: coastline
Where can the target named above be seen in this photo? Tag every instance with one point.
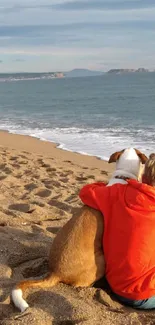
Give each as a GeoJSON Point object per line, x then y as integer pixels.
{"type": "Point", "coordinates": [50, 149]}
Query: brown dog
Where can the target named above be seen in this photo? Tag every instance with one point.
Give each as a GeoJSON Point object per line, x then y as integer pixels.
{"type": "Point", "coordinates": [76, 255]}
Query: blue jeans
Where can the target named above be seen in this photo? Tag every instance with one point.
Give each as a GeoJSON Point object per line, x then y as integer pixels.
{"type": "Point", "coordinates": [138, 304]}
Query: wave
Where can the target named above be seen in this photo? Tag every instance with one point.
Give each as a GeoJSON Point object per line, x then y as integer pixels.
{"type": "Point", "coordinates": [26, 77]}
{"type": "Point", "coordinates": [94, 142]}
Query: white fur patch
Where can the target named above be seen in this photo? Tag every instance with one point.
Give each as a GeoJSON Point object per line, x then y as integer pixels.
{"type": "Point", "coordinates": [128, 165]}
{"type": "Point", "coordinates": [129, 162]}
{"type": "Point", "coordinates": [18, 300]}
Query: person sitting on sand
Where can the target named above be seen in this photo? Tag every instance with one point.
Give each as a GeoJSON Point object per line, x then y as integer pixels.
{"type": "Point", "coordinates": [129, 235]}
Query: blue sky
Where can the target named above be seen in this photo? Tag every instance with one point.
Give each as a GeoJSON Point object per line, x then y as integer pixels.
{"type": "Point", "coordinates": [60, 35]}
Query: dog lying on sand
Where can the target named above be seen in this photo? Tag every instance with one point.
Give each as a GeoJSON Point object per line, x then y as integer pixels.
{"type": "Point", "coordinates": [76, 256]}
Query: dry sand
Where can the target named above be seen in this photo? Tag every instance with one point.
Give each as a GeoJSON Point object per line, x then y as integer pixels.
{"type": "Point", "coordinates": [39, 193]}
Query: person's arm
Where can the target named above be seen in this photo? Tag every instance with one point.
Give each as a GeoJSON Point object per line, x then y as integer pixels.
{"type": "Point", "coordinates": [92, 195]}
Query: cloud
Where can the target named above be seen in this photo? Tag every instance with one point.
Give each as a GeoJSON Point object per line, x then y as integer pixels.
{"type": "Point", "coordinates": [61, 34]}
{"type": "Point", "coordinates": [104, 4]}
{"type": "Point", "coordinates": [65, 52]}
{"type": "Point", "coordinates": [39, 31]}
{"type": "Point", "coordinates": [18, 8]}
{"type": "Point", "coordinates": [1, 61]}
{"type": "Point", "coordinates": [80, 37]}
{"type": "Point", "coordinates": [76, 5]}
{"type": "Point", "coordinates": [51, 50]}
{"type": "Point", "coordinates": [13, 7]}
{"type": "Point", "coordinates": [44, 16]}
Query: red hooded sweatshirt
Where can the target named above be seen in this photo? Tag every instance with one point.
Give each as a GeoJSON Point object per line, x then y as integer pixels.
{"type": "Point", "coordinates": [129, 235]}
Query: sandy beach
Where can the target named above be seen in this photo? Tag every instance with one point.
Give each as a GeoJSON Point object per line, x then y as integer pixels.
{"type": "Point", "coordinates": [39, 193]}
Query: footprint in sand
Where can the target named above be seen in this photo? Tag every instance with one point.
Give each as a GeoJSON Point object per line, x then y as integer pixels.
{"type": "Point", "coordinates": [9, 213]}
{"type": "Point", "coordinates": [36, 176]}
{"type": "Point", "coordinates": [44, 193]}
{"type": "Point", "coordinates": [53, 230]}
{"type": "Point", "coordinates": [8, 171]}
{"type": "Point", "coordinates": [91, 176]}
{"type": "Point", "coordinates": [103, 172]}
{"type": "Point", "coordinates": [30, 187]}
{"type": "Point", "coordinates": [5, 169]}
{"type": "Point", "coordinates": [15, 165]}
{"type": "Point", "coordinates": [64, 180]}
{"type": "Point", "coordinates": [36, 268]}
{"type": "Point", "coordinates": [39, 160]}
{"type": "Point", "coordinates": [47, 183]}
{"type": "Point", "coordinates": [43, 164]}
{"type": "Point", "coordinates": [22, 156]}
{"type": "Point", "coordinates": [27, 172]}
{"type": "Point", "coordinates": [2, 166]}
{"type": "Point", "coordinates": [13, 158]}
{"type": "Point", "coordinates": [81, 178]}
{"type": "Point", "coordinates": [24, 196]}
{"type": "Point", "coordinates": [55, 183]}
{"type": "Point", "coordinates": [57, 196]}
{"type": "Point", "coordinates": [67, 173]}
{"type": "Point", "coordinates": [19, 175]}
{"type": "Point", "coordinates": [62, 206]}
{"type": "Point", "coordinates": [50, 169]}
{"type": "Point", "coordinates": [23, 162]}
{"type": "Point", "coordinates": [68, 161]}
{"type": "Point", "coordinates": [2, 177]}
{"type": "Point", "coordinates": [38, 202]}
{"type": "Point", "coordinates": [71, 198]}
{"type": "Point", "coordinates": [21, 207]}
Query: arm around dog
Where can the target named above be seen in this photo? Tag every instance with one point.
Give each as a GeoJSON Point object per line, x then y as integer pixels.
{"type": "Point", "coordinates": [92, 195]}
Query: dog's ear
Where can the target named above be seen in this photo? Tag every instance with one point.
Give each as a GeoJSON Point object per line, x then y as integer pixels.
{"type": "Point", "coordinates": [141, 155]}
{"type": "Point", "coordinates": [115, 156]}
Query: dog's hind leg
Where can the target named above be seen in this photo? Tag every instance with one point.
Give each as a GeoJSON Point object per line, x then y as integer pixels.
{"type": "Point", "coordinates": [93, 274]}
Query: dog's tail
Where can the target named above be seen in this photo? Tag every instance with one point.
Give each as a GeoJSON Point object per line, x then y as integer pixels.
{"type": "Point", "coordinates": [17, 292]}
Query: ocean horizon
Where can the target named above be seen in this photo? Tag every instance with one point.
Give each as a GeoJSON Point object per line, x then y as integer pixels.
{"type": "Point", "coordinates": [90, 115]}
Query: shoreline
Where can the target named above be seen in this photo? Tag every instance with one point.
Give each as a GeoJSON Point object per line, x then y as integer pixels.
{"type": "Point", "coordinates": [58, 145]}
{"type": "Point", "coordinates": [37, 146]}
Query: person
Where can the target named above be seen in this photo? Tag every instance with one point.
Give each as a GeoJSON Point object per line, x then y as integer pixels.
{"type": "Point", "coordinates": [129, 235]}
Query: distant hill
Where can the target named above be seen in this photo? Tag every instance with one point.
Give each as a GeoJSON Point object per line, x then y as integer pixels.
{"type": "Point", "coordinates": [82, 73]}
{"type": "Point", "coordinates": [118, 71]}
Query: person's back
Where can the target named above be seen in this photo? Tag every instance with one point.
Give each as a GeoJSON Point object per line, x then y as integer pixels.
{"type": "Point", "coordinates": [129, 241]}
{"type": "Point", "coordinates": [129, 234]}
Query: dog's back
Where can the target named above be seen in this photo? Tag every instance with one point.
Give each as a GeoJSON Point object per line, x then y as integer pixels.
{"type": "Point", "coordinates": [81, 232]}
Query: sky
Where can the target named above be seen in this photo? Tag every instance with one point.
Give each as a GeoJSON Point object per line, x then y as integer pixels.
{"type": "Point", "coordinates": [60, 35]}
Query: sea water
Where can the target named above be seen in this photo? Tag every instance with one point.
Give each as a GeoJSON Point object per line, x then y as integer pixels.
{"type": "Point", "coordinates": [94, 115]}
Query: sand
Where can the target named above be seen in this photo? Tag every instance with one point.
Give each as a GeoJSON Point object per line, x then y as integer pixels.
{"type": "Point", "coordinates": [39, 193]}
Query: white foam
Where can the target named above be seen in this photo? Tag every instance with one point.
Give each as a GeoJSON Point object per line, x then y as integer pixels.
{"type": "Point", "coordinates": [25, 78]}
{"type": "Point", "coordinates": [95, 142]}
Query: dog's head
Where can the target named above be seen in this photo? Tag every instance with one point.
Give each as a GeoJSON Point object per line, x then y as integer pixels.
{"type": "Point", "coordinates": [129, 161]}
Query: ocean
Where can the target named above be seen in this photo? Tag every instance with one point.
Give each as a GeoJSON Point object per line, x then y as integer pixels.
{"type": "Point", "coordinates": [93, 115]}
